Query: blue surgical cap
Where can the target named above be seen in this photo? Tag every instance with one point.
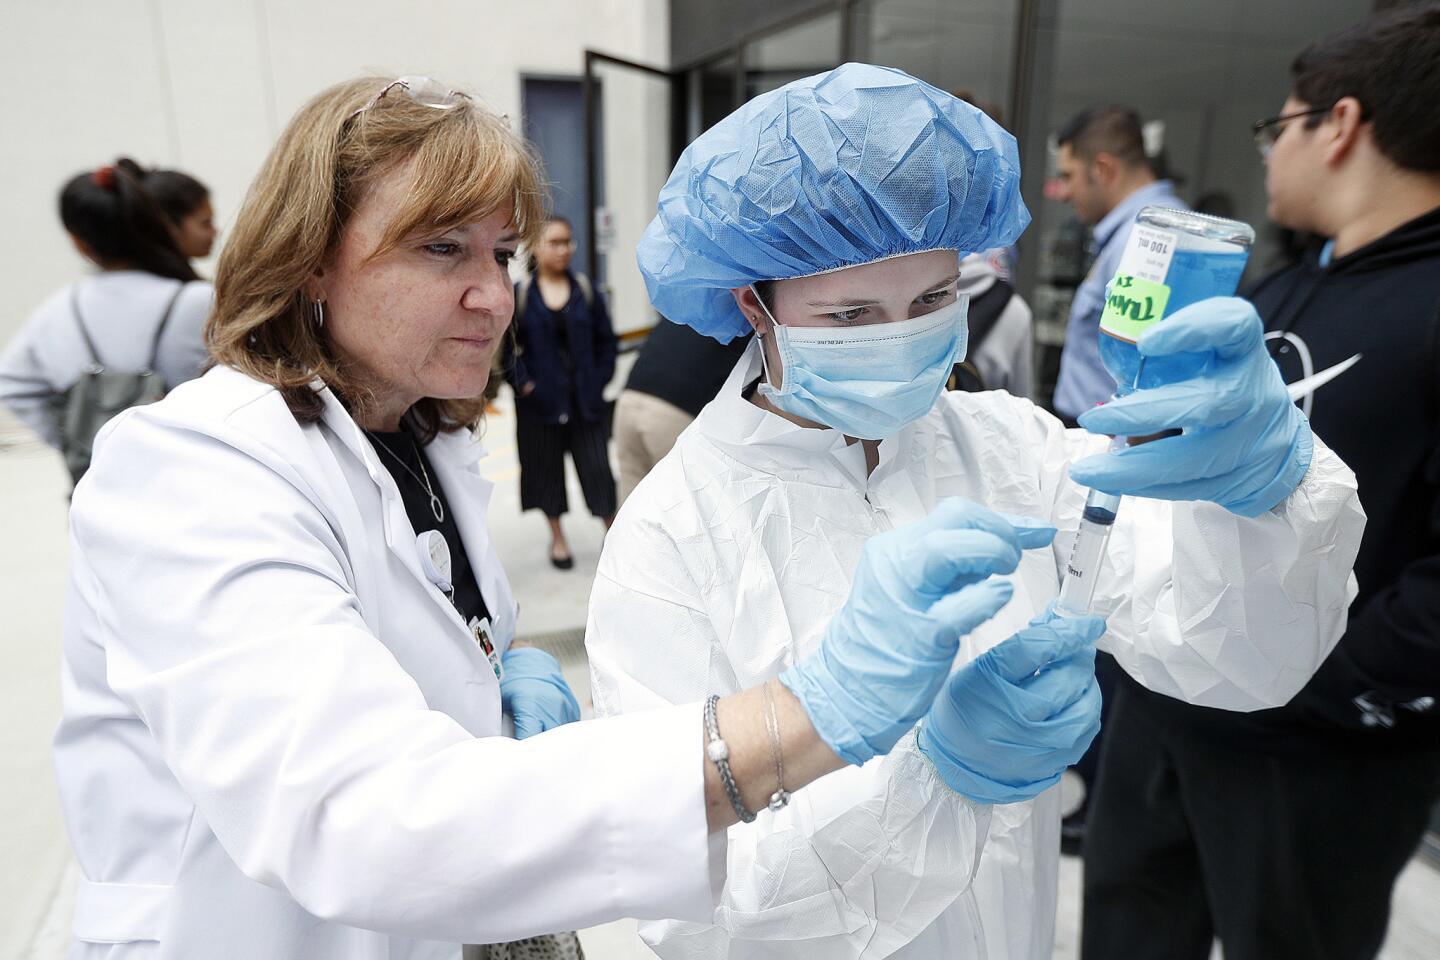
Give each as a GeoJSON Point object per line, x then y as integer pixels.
{"type": "Point", "coordinates": [843, 168]}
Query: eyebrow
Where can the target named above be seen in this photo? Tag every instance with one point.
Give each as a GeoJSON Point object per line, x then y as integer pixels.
{"type": "Point", "coordinates": [840, 303]}
{"type": "Point", "coordinates": [423, 232]}
{"type": "Point", "coordinates": [865, 303]}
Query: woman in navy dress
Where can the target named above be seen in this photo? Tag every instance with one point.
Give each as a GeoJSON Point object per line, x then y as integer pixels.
{"type": "Point", "coordinates": [562, 357]}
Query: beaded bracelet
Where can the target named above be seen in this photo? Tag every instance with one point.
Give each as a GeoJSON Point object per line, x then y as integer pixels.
{"type": "Point", "coordinates": [719, 754]}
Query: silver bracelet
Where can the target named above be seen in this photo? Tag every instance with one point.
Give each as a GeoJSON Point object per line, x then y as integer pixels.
{"type": "Point", "coordinates": [719, 754]}
{"type": "Point", "coordinates": [781, 796]}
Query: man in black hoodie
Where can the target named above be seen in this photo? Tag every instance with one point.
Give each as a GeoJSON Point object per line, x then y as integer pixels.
{"type": "Point", "coordinates": [1281, 832]}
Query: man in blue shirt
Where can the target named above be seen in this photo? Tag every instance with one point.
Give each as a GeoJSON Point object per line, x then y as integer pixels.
{"type": "Point", "coordinates": [1105, 175]}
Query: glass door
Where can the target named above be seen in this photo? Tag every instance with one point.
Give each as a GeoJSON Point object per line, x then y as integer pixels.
{"type": "Point", "coordinates": [633, 122]}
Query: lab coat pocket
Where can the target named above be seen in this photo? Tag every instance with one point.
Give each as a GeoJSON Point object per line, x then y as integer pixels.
{"type": "Point", "coordinates": [120, 912]}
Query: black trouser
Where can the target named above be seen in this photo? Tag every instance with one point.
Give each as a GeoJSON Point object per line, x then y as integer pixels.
{"type": "Point", "coordinates": [1107, 672]}
{"type": "Point", "coordinates": [1278, 856]}
{"type": "Point", "coordinates": [541, 448]}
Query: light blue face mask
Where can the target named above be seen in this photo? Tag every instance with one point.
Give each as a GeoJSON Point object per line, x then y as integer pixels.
{"type": "Point", "coordinates": [868, 381]}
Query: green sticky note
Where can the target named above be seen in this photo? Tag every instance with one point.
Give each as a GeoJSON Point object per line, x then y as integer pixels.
{"type": "Point", "coordinates": [1133, 306]}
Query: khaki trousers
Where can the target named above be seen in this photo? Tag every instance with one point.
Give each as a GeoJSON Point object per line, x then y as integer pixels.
{"type": "Point", "coordinates": [646, 428]}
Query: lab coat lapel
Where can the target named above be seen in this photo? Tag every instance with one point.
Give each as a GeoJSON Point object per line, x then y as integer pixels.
{"type": "Point", "coordinates": [456, 457]}
{"type": "Point", "coordinates": [399, 534]}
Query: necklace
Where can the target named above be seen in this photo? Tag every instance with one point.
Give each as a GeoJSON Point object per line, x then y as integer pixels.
{"type": "Point", "coordinates": [436, 507]}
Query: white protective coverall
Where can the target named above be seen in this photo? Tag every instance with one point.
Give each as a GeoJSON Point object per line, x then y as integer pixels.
{"type": "Point", "coordinates": [280, 741]}
{"type": "Point", "coordinates": [731, 556]}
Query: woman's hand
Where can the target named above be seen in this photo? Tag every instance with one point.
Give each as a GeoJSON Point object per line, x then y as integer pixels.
{"type": "Point", "coordinates": [1009, 722]}
{"type": "Point", "coordinates": [534, 691]}
{"type": "Point", "coordinates": [1245, 445]}
{"type": "Point", "coordinates": [887, 652]}
{"type": "Point", "coordinates": [884, 656]}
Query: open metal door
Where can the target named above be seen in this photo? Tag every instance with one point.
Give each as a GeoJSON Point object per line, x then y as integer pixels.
{"type": "Point", "coordinates": [633, 133]}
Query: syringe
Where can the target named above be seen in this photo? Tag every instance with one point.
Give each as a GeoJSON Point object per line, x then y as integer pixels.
{"type": "Point", "coordinates": [1078, 588]}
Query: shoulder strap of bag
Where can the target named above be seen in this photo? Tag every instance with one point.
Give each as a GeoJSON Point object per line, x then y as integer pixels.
{"type": "Point", "coordinates": [80, 322]}
{"type": "Point", "coordinates": [164, 319]}
{"type": "Point", "coordinates": [985, 311]}
{"type": "Point", "coordinates": [586, 290]}
{"type": "Point", "coordinates": [982, 316]}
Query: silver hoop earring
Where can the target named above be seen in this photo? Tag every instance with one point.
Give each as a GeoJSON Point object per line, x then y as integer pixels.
{"type": "Point", "coordinates": [317, 310]}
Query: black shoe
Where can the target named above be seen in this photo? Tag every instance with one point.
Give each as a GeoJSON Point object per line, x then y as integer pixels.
{"type": "Point", "coordinates": [561, 563]}
{"type": "Point", "coordinates": [1072, 832]}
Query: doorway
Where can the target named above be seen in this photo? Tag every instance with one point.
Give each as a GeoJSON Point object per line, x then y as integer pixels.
{"type": "Point", "coordinates": [632, 136]}
{"type": "Point", "coordinates": [553, 109]}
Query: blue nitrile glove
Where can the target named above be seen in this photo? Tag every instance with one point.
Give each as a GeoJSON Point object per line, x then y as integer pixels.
{"type": "Point", "coordinates": [917, 591]}
{"type": "Point", "coordinates": [535, 693]}
{"type": "Point", "coordinates": [1245, 445]}
{"type": "Point", "coordinates": [1001, 732]}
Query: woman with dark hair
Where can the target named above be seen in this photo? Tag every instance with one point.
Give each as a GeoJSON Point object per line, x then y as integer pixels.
{"type": "Point", "coordinates": [142, 314]}
{"type": "Point", "coordinates": [561, 358]}
{"type": "Point", "coordinates": [185, 202]}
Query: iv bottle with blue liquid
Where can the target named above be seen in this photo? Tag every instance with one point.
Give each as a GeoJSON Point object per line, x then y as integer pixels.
{"type": "Point", "coordinates": [1172, 258]}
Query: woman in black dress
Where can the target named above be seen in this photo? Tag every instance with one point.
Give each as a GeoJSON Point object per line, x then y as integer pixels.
{"type": "Point", "coordinates": [562, 356]}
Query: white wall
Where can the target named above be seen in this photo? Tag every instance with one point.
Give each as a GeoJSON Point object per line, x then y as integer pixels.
{"type": "Point", "coordinates": [206, 85]}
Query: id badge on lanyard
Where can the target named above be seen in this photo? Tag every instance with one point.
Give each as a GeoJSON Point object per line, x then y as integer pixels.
{"type": "Point", "coordinates": [485, 640]}
{"type": "Point", "coordinates": [435, 560]}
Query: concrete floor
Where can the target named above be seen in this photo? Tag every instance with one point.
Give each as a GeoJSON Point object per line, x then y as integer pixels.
{"type": "Point", "coordinates": [36, 875]}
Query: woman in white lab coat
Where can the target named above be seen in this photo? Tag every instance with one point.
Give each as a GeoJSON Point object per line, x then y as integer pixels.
{"type": "Point", "coordinates": [288, 638]}
{"type": "Point", "coordinates": [827, 216]}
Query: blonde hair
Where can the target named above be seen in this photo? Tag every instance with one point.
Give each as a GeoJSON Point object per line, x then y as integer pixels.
{"type": "Point", "coordinates": [468, 164]}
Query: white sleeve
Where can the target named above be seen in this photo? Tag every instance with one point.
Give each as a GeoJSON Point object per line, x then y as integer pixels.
{"type": "Point", "coordinates": [221, 596]}
{"type": "Point", "coordinates": [858, 864]}
{"type": "Point", "coordinates": [27, 384]}
{"type": "Point", "coordinates": [1210, 607]}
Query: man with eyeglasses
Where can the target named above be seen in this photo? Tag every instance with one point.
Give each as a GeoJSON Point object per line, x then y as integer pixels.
{"type": "Point", "coordinates": [1281, 832]}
